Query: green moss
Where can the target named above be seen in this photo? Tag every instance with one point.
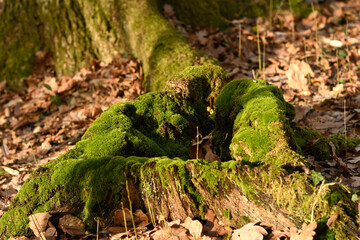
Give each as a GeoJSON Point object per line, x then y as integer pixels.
{"type": "Point", "coordinates": [259, 117]}
{"type": "Point", "coordinates": [201, 83]}
{"type": "Point", "coordinates": [149, 126]}
{"type": "Point", "coordinates": [311, 142]}
{"type": "Point", "coordinates": [342, 144]}
{"type": "Point", "coordinates": [72, 183]}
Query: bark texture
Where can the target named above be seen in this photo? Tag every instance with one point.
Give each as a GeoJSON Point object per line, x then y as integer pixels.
{"type": "Point", "coordinates": [144, 143]}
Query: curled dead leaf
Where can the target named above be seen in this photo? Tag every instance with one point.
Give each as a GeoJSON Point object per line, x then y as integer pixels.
{"type": "Point", "coordinates": [307, 232]}
{"type": "Point", "coordinates": [72, 225]}
{"type": "Point", "coordinates": [194, 226]}
{"type": "Point", "coordinates": [251, 231]}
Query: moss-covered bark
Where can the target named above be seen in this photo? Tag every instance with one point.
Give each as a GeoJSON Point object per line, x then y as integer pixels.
{"type": "Point", "coordinates": [145, 142]}
{"type": "Point", "coordinates": [79, 31]}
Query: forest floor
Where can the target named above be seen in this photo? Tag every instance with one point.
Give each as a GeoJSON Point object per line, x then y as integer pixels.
{"type": "Point", "coordinates": [315, 61]}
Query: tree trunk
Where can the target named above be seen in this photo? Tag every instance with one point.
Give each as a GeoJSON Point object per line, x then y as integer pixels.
{"type": "Point", "coordinates": [144, 144]}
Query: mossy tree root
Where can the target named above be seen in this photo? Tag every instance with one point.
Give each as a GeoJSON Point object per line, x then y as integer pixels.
{"type": "Point", "coordinates": [251, 123]}
{"type": "Point", "coordinates": [269, 186]}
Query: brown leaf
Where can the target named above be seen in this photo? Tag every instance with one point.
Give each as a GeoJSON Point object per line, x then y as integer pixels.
{"type": "Point", "coordinates": [38, 223]}
{"type": "Point", "coordinates": [51, 231]}
{"type": "Point", "coordinates": [171, 233]}
{"type": "Point", "coordinates": [301, 112]}
{"type": "Point", "coordinates": [201, 35]}
{"type": "Point", "coordinates": [19, 238]}
{"type": "Point", "coordinates": [140, 218]}
{"type": "Point", "coordinates": [297, 79]}
{"type": "Point", "coordinates": [251, 231]}
{"type": "Point", "coordinates": [307, 232]}
{"type": "Point", "coordinates": [92, 112]}
{"type": "Point", "coordinates": [210, 155]}
{"type": "Point", "coordinates": [168, 10]}
{"type": "Point", "coordinates": [116, 229]}
{"type": "Point", "coordinates": [5, 149]}
{"type": "Point", "coordinates": [279, 235]}
{"type": "Point", "coordinates": [355, 181]}
{"type": "Point", "coordinates": [194, 226]}
{"type": "Point", "coordinates": [66, 83]}
{"type": "Point", "coordinates": [118, 218]}
{"type": "Point", "coordinates": [202, 149]}
{"type": "Point", "coordinates": [45, 147]}
{"type": "Point", "coordinates": [72, 225]}
{"type": "Point", "coordinates": [212, 227]}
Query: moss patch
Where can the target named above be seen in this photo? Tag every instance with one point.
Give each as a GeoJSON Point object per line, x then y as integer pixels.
{"type": "Point", "coordinates": [156, 124]}
{"type": "Point", "coordinates": [312, 143]}
{"type": "Point", "coordinates": [82, 186]}
{"type": "Point", "coordinates": [259, 119]}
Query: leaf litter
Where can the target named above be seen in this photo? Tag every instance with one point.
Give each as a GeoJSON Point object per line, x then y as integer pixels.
{"type": "Point", "coordinates": [316, 67]}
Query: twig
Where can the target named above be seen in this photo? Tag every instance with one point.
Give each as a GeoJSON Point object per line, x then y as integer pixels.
{"type": "Point", "coordinates": [240, 40]}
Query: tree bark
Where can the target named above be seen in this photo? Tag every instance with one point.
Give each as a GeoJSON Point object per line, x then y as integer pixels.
{"type": "Point", "coordinates": [144, 144]}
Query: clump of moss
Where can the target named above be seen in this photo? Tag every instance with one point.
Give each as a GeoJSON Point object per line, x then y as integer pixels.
{"type": "Point", "coordinates": [157, 124]}
{"type": "Point", "coordinates": [259, 117]}
{"type": "Point", "coordinates": [80, 186]}
{"type": "Point", "coordinates": [311, 142]}
{"type": "Point", "coordinates": [200, 83]}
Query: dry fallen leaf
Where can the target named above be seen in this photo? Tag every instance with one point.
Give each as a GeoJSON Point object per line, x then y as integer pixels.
{"type": "Point", "coordinates": [118, 218]}
{"type": "Point", "coordinates": [279, 235]}
{"type": "Point", "coordinates": [38, 223]}
{"type": "Point", "coordinates": [72, 225]}
{"type": "Point", "coordinates": [194, 226]}
{"type": "Point", "coordinates": [212, 227]}
{"type": "Point", "coordinates": [18, 238]}
{"type": "Point", "coordinates": [45, 147]}
{"type": "Point", "coordinates": [307, 232]}
{"type": "Point", "coordinates": [357, 148]}
{"type": "Point", "coordinates": [355, 181]}
{"type": "Point", "coordinates": [201, 35]}
{"type": "Point", "coordinates": [10, 171]}
{"type": "Point", "coordinates": [51, 231]}
{"type": "Point", "coordinates": [172, 233]}
{"type": "Point", "coordinates": [66, 83]}
{"type": "Point", "coordinates": [297, 76]}
{"type": "Point", "coordinates": [140, 218]}
{"type": "Point", "coordinates": [250, 231]}
{"type": "Point", "coordinates": [333, 43]}
{"type": "Point", "coordinates": [168, 10]}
